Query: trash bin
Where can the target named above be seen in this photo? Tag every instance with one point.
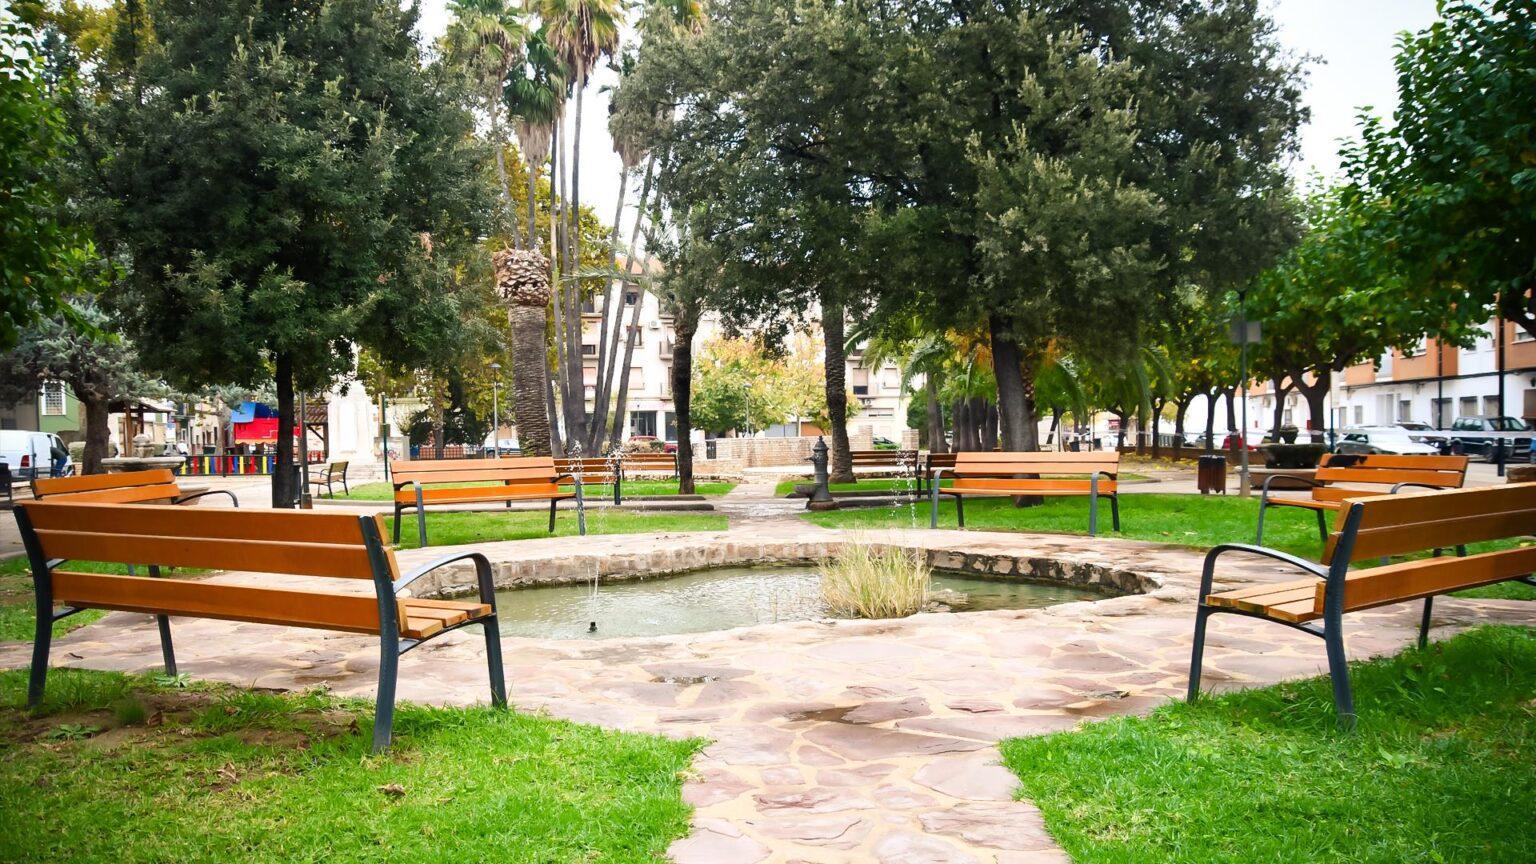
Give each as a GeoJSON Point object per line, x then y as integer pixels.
{"type": "Point", "coordinates": [1212, 475]}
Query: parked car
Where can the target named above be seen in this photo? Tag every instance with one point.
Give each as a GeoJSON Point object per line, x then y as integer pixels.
{"type": "Point", "coordinates": [30, 454]}
{"type": "Point", "coordinates": [880, 443]}
{"type": "Point", "coordinates": [1363, 440]}
{"type": "Point", "coordinates": [1254, 439]}
{"type": "Point", "coordinates": [1426, 434]}
{"type": "Point", "coordinates": [1517, 447]}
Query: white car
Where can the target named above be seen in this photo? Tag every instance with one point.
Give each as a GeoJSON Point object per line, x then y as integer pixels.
{"type": "Point", "coordinates": [1383, 439]}
{"type": "Point", "coordinates": [29, 454]}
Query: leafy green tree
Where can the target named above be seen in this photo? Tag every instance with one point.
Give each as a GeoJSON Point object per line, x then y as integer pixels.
{"type": "Point", "coordinates": [1455, 175]}
{"type": "Point", "coordinates": [97, 366]}
{"type": "Point", "coordinates": [738, 386]}
{"type": "Point", "coordinates": [294, 181]}
{"type": "Point", "coordinates": [42, 254]}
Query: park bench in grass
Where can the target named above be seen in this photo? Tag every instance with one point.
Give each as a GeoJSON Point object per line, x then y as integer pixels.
{"type": "Point", "coordinates": [900, 459]}
{"type": "Point", "coordinates": [335, 472]}
{"type": "Point", "coordinates": [931, 463]}
{"type": "Point", "coordinates": [649, 463]}
{"type": "Point", "coordinates": [303, 543]}
{"type": "Point", "coordinates": [424, 482]}
{"type": "Point", "coordinates": [1394, 472]}
{"type": "Point", "coordinates": [994, 474]}
{"type": "Point", "coordinates": [1378, 527]}
{"type": "Point", "coordinates": [156, 486]}
{"type": "Point", "coordinates": [600, 472]}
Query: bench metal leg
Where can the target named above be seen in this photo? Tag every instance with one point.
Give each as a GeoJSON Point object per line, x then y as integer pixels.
{"type": "Point", "coordinates": [1258, 538]}
{"type": "Point", "coordinates": [1093, 508]}
{"type": "Point", "coordinates": [551, 514]}
{"type": "Point", "coordinates": [384, 702]}
{"type": "Point", "coordinates": [167, 652]}
{"type": "Point", "coordinates": [1338, 672]}
{"type": "Point", "coordinates": [493, 662]}
{"type": "Point", "coordinates": [398, 515]}
{"type": "Point", "coordinates": [1197, 653]}
{"type": "Point", "coordinates": [1322, 526]}
{"type": "Point", "coordinates": [1429, 605]}
{"type": "Point", "coordinates": [421, 518]}
{"type": "Point", "coordinates": [1114, 511]}
{"type": "Point", "coordinates": [960, 511]}
{"type": "Point", "coordinates": [933, 509]}
{"type": "Point", "coordinates": [41, 641]}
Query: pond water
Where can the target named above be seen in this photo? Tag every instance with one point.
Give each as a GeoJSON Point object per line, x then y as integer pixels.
{"type": "Point", "coordinates": [727, 597]}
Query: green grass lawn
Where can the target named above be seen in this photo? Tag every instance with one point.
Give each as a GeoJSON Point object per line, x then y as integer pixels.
{"type": "Point", "coordinates": [119, 769]}
{"type": "Point", "coordinates": [458, 528]}
{"type": "Point", "coordinates": [18, 608]}
{"type": "Point", "coordinates": [883, 484]}
{"type": "Point", "coordinates": [385, 492]}
{"type": "Point", "coordinates": [1200, 521]}
{"type": "Point", "coordinates": [1441, 768]}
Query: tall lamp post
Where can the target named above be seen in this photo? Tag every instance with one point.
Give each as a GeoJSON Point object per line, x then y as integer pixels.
{"type": "Point", "coordinates": [496, 409]}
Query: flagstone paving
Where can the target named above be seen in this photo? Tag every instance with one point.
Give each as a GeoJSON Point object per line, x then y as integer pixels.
{"type": "Point", "coordinates": [857, 741]}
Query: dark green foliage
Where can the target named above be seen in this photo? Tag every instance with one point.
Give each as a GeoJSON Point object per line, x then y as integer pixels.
{"type": "Point", "coordinates": [293, 182]}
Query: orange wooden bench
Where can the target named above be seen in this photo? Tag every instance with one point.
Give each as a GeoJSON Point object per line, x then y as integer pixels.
{"type": "Point", "coordinates": [649, 463]}
{"type": "Point", "coordinates": [1375, 527]}
{"type": "Point", "coordinates": [334, 545]}
{"type": "Point", "coordinates": [884, 458]}
{"type": "Point", "coordinates": [931, 463]}
{"type": "Point", "coordinates": [995, 474]}
{"type": "Point", "coordinates": [422, 482]}
{"type": "Point", "coordinates": [156, 486]}
{"type": "Point", "coordinates": [601, 472]}
{"type": "Point", "coordinates": [1396, 472]}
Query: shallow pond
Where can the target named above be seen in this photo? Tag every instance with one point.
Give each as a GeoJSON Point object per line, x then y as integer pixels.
{"type": "Point", "coordinates": [727, 597]}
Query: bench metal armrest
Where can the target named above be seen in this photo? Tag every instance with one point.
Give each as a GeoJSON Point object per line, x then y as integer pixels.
{"type": "Point", "coordinates": [1430, 486]}
{"type": "Point", "coordinates": [1207, 573]}
{"type": "Point", "coordinates": [1312, 481]}
{"type": "Point", "coordinates": [196, 495]}
{"type": "Point", "coordinates": [482, 574]}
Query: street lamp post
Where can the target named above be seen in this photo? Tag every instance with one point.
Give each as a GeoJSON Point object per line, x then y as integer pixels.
{"type": "Point", "coordinates": [496, 409]}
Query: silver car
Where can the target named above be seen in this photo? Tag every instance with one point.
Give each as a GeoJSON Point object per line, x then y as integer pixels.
{"type": "Point", "coordinates": [1365, 440]}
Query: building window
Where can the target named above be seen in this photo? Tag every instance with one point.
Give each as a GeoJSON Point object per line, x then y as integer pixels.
{"type": "Point", "coordinates": [1442, 413]}
{"type": "Point", "coordinates": [589, 349]}
{"type": "Point", "coordinates": [630, 299]}
{"type": "Point", "coordinates": [1468, 407]}
{"type": "Point", "coordinates": [1404, 411]}
{"type": "Point", "coordinates": [1490, 406]}
{"type": "Point", "coordinates": [53, 398]}
{"type": "Point", "coordinates": [1359, 415]}
{"type": "Point", "coordinates": [860, 382]}
{"type": "Point", "coordinates": [637, 379]}
{"type": "Point", "coordinates": [1523, 335]}
{"type": "Point", "coordinates": [642, 423]}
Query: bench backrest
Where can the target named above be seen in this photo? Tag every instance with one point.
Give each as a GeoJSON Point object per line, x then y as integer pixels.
{"type": "Point", "coordinates": [129, 487]}
{"type": "Point", "coordinates": [336, 468]}
{"type": "Point", "coordinates": [1385, 525]}
{"type": "Point", "coordinates": [591, 470]}
{"type": "Point", "coordinates": [506, 470]}
{"type": "Point", "coordinates": [940, 460]}
{"type": "Point", "coordinates": [294, 542]}
{"type": "Point", "coordinates": [1009, 464]}
{"type": "Point", "coordinates": [882, 457]}
{"type": "Point", "coordinates": [1440, 472]}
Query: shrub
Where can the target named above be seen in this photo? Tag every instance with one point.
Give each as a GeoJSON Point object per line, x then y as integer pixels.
{"type": "Point", "coordinates": [865, 581]}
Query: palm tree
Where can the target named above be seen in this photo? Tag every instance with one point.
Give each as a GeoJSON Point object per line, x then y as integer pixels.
{"type": "Point", "coordinates": [487, 37]}
{"type": "Point", "coordinates": [580, 31]}
{"type": "Point", "coordinates": [535, 98]}
{"type": "Point", "coordinates": [522, 281]}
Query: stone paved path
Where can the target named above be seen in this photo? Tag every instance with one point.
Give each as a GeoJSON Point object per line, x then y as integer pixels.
{"type": "Point", "coordinates": [835, 741]}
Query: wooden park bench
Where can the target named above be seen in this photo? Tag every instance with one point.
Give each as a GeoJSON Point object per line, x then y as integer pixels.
{"type": "Point", "coordinates": [155, 486]}
{"type": "Point", "coordinates": [1395, 472]}
{"type": "Point", "coordinates": [994, 474]}
{"type": "Point", "coordinates": [931, 463]}
{"type": "Point", "coordinates": [649, 463]}
{"type": "Point", "coordinates": [334, 545]}
{"type": "Point", "coordinates": [335, 472]}
{"type": "Point", "coordinates": [1377, 527]}
{"type": "Point", "coordinates": [422, 482]}
{"type": "Point", "coordinates": [598, 472]}
{"type": "Point", "coordinates": [898, 459]}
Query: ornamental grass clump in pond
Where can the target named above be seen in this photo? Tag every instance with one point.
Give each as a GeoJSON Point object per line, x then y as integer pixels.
{"type": "Point", "coordinates": [865, 581]}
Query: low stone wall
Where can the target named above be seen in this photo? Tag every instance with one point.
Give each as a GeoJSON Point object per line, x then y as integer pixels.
{"type": "Point", "coordinates": [655, 563]}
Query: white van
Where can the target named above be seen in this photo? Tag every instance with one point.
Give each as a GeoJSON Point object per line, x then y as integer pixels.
{"type": "Point", "coordinates": [28, 454]}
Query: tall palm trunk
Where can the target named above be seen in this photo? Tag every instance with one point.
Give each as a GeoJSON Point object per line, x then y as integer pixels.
{"type": "Point", "coordinates": [509, 206]}
{"type": "Point", "coordinates": [574, 391]}
{"type": "Point", "coordinates": [533, 188]}
{"type": "Point", "coordinates": [834, 361]}
{"type": "Point", "coordinates": [622, 406]}
{"type": "Point", "coordinates": [604, 355]}
{"type": "Point", "coordinates": [529, 379]}
{"type": "Point", "coordinates": [936, 442]}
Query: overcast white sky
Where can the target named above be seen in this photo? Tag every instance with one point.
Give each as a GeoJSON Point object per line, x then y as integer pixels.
{"type": "Point", "coordinates": [1351, 41]}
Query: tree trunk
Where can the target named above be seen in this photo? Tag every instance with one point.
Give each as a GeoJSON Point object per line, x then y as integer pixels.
{"type": "Point", "coordinates": [97, 433]}
{"type": "Point", "coordinates": [1279, 418]}
{"type": "Point", "coordinates": [835, 363]}
{"type": "Point", "coordinates": [936, 442]}
{"type": "Point", "coordinates": [555, 444]}
{"type": "Point", "coordinates": [1232, 409]}
{"type": "Point", "coordinates": [503, 188]}
{"type": "Point", "coordinates": [284, 492]}
{"type": "Point", "coordinates": [1316, 395]}
{"type": "Point", "coordinates": [1125, 420]}
{"type": "Point", "coordinates": [682, 390]}
{"type": "Point", "coordinates": [985, 415]}
{"type": "Point", "coordinates": [1054, 439]}
{"type": "Point", "coordinates": [965, 430]}
{"type": "Point", "coordinates": [604, 353]}
{"type": "Point", "coordinates": [1015, 402]}
{"type": "Point", "coordinates": [533, 189]}
{"type": "Point", "coordinates": [1211, 399]}
{"type": "Point", "coordinates": [1157, 425]}
{"type": "Point", "coordinates": [634, 324]}
{"type": "Point", "coordinates": [530, 377]}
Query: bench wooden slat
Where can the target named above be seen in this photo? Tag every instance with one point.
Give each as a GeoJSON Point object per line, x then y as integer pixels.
{"type": "Point", "coordinates": [1450, 505]}
{"type": "Point", "coordinates": [474, 475]}
{"type": "Point", "coordinates": [1389, 476]}
{"type": "Point", "coordinates": [429, 466]}
{"type": "Point", "coordinates": [301, 559]}
{"type": "Point", "coordinates": [1255, 597]}
{"type": "Point", "coordinates": [1296, 612]}
{"type": "Point", "coordinates": [1411, 580]}
{"type": "Point", "coordinates": [299, 526]}
{"type": "Point", "coordinates": [470, 494]}
{"type": "Point", "coordinates": [95, 482]}
{"type": "Point", "coordinates": [352, 613]}
{"type": "Point", "coordinates": [1041, 486]}
{"type": "Point", "coordinates": [121, 495]}
{"type": "Point", "coordinates": [1389, 460]}
{"type": "Point", "coordinates": [1416, 536]}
